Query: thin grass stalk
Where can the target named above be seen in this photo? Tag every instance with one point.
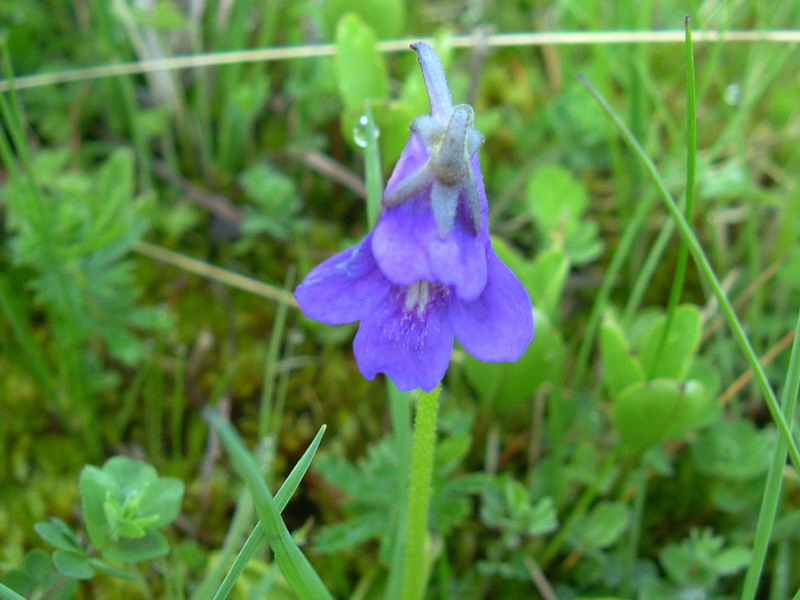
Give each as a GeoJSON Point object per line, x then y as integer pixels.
{"type": "Point", "coordinates": [646, 272]}
{"type": "Point", "coordinates": [781, 577]}
{"type": "Point", "coordinates": [198, 267]}
{"type": "Point", "coordinates": [772, 489]}
{"type": "Point", "coordinates": [6, 593]}
{"type": "Point", "coordinates": [702, 262]}
{"type": "Point", "coordinates": [178, 402]}
{"type": "Point", "coordinates": [691, 167]}
{"type": "Point", "coordinates": [635, 534]}
{"type": "Point", "coordinates": [621, 253]}
{"type": "Point", "coordinates": [271, 362]}
{"type": "Point", "coordinates": [500, 40]}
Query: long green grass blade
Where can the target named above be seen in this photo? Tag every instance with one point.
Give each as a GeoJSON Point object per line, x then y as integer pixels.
{"type": "Point", "coordinates": [258, 535]}
{"type": "Point", "coordinates": [294, 566]}
{"type": "Point", "coordinates": [772, 489]}
{"type": "Point", "coordinates": [7, 593]}
{"type": "Point", "coordinates": [704, 265]}
{"type": "Point", "coordinates": [266, 417]}
{"type": "Point", "coordinates": [691, 168]}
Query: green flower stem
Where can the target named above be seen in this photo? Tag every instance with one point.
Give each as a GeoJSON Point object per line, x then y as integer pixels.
{"type": "Point", "coordinates": [7, 593]}
{"type": "Point", "coordinates": [372, 168]}
{"type": "Point", "coordinates": [772, 489]}
{"type": "Point", "coordinates": [415, 572]}
{"type": "Point", "coordinates": [707, 271]}
{"type": "Point", "coordinates": [400, 413]}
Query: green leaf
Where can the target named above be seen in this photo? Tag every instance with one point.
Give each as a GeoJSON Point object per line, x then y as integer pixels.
{"type": "Point", "coordinates": [256, 537]}
{"type": "Point", "coordinates": [7, 593]}
{"type": "Point", "coordinates": [350, 533]}
{"type": "Point", "coordinates": [732, 560]}
{"type": "Point", "coordinates": [734, 450]}
{"type": "Point", "coordinates": [148, 547]}
{"type": "Point", "coordinates": [73, 565]}
{"type": "Point", "coordinates": [556, 198]}
{"type": "Point", "coordinates": [360, 70]}
{"type": "Point", "coordinates": [620, 367]}
{"type": "Point", "coordinates": [94, 485]}
{"type": "Point", "coordinates": [673, 358]}
{"type": "Point", "coordinates": [652, 412]}
{"type": "Point", "coordinates": [386, 17]}
{"type": "Point", "coordinates": [508, 385]}
{"type": "Point", "coordinates": [540, 518]}
{"type": "Point", "coordinates": [58, 534]}
{"type": "Point", "coordinates": [124, 501]}
{"type": "Point", "coordinates": [276, 200]}
{"type": "Point", "coordinates": [582, 242]}
{"type": "Point", "coordinates": [603, 526]}
{"type": "Point", "coordinates": [506, 505]}
{"type": "Point", "coordinates": [129, 475]}
{"type": "Point", "coordinates": [161, 501]}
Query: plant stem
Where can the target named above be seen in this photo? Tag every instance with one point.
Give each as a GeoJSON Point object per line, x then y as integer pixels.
{"type": "Point", "coordinates": [415, 572]}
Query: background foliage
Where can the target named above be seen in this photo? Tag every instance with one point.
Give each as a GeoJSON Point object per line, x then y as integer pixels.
{"type": "Point", "coordinates": [630, 464]}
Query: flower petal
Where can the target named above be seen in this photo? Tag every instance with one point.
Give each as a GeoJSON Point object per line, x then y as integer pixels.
{"type": "Point", "coordinates": [412, 349]}
{"type": "Point", "coordinates": [407, 243]}
{"type": "Point", "coordinates": [435, 80]}
{"type": "Point", "coordinates": [343, 288]}
{"type": "Point", "coordinates": [498, 325]}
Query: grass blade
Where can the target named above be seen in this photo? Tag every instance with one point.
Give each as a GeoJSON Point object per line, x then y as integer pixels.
{"type": "Point", "coordinates": [703, 264]}
{"type": "Point", "coordinates": [294, 566]}
{"type": "Point", "coordinates": [258, 535]}
{"type": "Point", "coordinates": [772, 489]}
{"type": "Point", "coordinates": [7, 593]}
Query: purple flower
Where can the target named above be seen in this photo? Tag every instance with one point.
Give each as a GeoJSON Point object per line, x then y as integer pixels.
{"type": "Point", "coordinates": [427, 274]}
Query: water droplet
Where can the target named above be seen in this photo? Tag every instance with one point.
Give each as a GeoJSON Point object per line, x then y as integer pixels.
{"type": "Point", "coordinates": [733, 94]}
{"type": "Point", "coordinates": [360, 135]}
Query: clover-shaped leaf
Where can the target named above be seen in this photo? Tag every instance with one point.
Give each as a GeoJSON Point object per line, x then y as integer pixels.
{"type": "Point", "coordinates": [124, 505]}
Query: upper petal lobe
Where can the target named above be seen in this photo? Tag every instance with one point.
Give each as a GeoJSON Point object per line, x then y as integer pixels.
{"type": "Point", "coordinates": [407, 243]}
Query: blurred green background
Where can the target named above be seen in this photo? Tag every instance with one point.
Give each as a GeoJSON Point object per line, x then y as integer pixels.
{"type": "Point", "coordinates": [627, 465]}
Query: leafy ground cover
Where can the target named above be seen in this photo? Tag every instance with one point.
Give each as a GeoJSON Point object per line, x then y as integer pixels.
{"type": "Point", "coordinates": [155, 221]}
